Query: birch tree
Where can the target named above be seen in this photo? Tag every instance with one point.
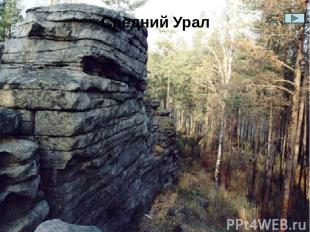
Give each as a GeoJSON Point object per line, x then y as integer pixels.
{"type": "Point", "coordinates": [223, 54]}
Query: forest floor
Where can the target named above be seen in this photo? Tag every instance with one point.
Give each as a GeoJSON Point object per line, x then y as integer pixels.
{"type": "Point", "coordinates": [195, 205]}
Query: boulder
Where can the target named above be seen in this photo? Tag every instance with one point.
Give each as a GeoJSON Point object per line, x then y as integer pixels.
{"type": "Point", "coordinates": [57, 225]}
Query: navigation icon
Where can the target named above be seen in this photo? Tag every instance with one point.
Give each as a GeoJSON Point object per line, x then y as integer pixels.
{"type": "Point", "coordinates": [294, 18]}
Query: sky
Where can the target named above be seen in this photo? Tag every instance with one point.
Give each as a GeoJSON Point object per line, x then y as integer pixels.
{"type": "Point", "coordinates": [154, 9]}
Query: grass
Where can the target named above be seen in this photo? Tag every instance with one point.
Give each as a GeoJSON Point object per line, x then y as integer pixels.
{"type": "Point", "coordinates": [195, 184]}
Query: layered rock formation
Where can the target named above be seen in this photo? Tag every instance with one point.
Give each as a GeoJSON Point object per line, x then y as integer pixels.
{"type": "Point", "coordinates": [164, 134]}
{"type": "Point", "coordinates": [22, 206]}
{"type": "Point", "coordinates": [76, 84]}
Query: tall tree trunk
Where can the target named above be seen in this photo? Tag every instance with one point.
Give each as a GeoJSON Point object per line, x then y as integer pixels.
{"type": "Point", "coordinates": [307, 148]}
{"type": "Point", "coordinates": [181, 120]}
{"type": "Point", "coordinates": [220, 148]}
{"type": "Point", "coordinates": [283, 150]}
{"type": "Point", "coordinates": [238, 129]}
{"type": "Point", "coordinates": [230, 135]}
{"type": "Point", "coordinates": [305, 185]}
{"type": "Point", "coordinates": [268, 168]}
{"type": "Point", "coordinates": [192, 125]}
{"type": "Point", "coordinates": [168, 94]}
{"type": "Point", "coordinates": [163, 103]}
{"type": "Point", "coordinates": [292, 134]}
{"type": "Point", "coordinates": [302, 146]}
{"type": "Point", "coordinates": [251, 189]}
{"type": "Point", "coordinates": [301, 170]}
{"type": "Point", "coordinates": [298, 138]}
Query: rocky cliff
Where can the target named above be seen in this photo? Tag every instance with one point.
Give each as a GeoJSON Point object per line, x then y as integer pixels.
{"type": "Point", "coordinates": [77, 139]}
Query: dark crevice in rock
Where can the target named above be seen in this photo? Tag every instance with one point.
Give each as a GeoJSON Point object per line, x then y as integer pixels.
{"type": "Point", "coordinates": [101, 67]}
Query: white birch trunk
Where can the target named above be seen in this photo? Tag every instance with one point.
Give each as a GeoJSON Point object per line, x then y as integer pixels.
{"type": "Point", "coordinates": [220, 149]}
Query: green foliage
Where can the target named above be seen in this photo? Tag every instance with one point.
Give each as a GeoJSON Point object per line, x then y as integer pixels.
{"type": "Point", "coordinates": [10, 16]}
{"type": "Point", "coordinates": [275, 35]}
{"type": "Point", "coordinates": [195, 82]}
{"type": "Point", "coordinates": [174, 64]}
{"type": "Point", "coordinates": [193, 76]}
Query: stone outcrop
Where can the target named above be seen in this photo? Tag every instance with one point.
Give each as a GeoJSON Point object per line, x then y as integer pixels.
{"type": "Point", "coordinates": [165, 135]}
{"type": "Point", "coordinates": [84, 141]}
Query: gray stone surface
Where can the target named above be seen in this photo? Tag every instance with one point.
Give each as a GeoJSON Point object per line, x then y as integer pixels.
{"type": "Point", "coordinates": [19, 173]}
{"type": "Point", "coordinates": [115, 128]}
{"type": "Point", "coordinates": [84, 54]}
{"type": "Point", "coordinates": [16, 150]}
{"type": "Point", "coordinates": [80, 39]}
{"type": "Point", "coordinates": [56, 123]}
{"type": "Point", "coordinates": [58, 79]}
{"type": "Point", "coordinates": [53, 100]}
{"type": "Point", "coordinates": [56, 225]}
{"type": "Point", "coordinates": [8, 121]}
{"type": "Point", "coordinates": [27, 188]}
{"type": "Point", "coordinates": [84, 13]}
{"type": "Point", "coordinates": [73, 31]}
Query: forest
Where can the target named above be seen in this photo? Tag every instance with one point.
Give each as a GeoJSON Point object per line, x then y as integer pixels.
{"type": "Point", "coordinates": [239, 95]}
{"type": "Point", "coordinates": [240, 98]}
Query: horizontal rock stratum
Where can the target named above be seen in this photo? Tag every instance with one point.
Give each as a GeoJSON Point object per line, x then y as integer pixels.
{"type": "Point", "coordinates": [77, 139]}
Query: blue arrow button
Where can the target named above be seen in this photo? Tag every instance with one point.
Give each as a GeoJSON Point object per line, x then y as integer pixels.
{"type": "Point", "coordinates": [294, 18]}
